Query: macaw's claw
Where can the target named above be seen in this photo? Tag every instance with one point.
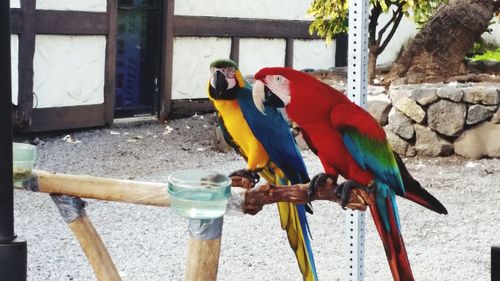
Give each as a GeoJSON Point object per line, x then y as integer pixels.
{"type": "Point", "coordinates": [343, 191]}
{"type": "Point", "coordinates": [319, 181]}
{"type": "Point", "coordinates": [252, 176]}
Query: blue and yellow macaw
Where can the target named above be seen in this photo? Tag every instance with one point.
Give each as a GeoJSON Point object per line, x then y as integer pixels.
{"type": "Point", "coordinates": [266, 143]}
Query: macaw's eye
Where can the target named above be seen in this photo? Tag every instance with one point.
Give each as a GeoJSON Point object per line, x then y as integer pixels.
{"type": "Point", "coordinates": [278, 78]}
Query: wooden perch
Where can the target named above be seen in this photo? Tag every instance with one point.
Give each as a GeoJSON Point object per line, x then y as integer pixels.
{"type": "Point", "coordinates": [156, 194]}
{"type": "Point", "coordinates": [257, 197]}
{"type": "Point", "coordinates": [135, 192]}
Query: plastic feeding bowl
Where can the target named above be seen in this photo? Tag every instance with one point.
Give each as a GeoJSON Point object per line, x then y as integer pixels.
{"type": "Point", "coordinates": [199, 194]}
{"type": "Point", "coordinates": [24, 156]}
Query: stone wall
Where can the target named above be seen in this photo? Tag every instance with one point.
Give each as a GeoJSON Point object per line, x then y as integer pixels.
{"type": "Point", "coordinates": [440, 119]}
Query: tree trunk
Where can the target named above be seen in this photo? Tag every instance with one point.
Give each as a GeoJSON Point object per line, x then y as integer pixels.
{"type": "Point", "coordinates": [372, 63]}
{"type": "Point", "coordinates": [438, 50]}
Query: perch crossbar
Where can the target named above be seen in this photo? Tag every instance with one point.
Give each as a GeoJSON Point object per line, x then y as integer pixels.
{"type": "Point", "coordinates": [205, 235]}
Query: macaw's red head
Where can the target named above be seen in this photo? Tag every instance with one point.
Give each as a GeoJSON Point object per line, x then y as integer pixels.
{"type": "Point", "coordinates": [303, 96]}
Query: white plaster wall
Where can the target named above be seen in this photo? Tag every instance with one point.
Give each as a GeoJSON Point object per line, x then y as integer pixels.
{"type": "Point", "coordinates": [276, 9]}
{"type": "Point", "coordinates": [14, 54]}
{"type": "Point", "coordinates": [74, 5]}
{"type": "Point", "coordinates": [258, 53]}
{"type": "Point", "coordinates": [192, 57]}
{"type": "Point", "coordinates": [406, 31]}
{"type": "Point", "coordinates": [69, 70]}
{"type": "Point", "coordinates": [494, 36]}
{"type": "Point", "coordinates": [314, 54]}
{"type": "Point", "coordinates": [15, 3]}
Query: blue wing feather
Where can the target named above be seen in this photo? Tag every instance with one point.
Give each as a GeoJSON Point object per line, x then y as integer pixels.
{"type": "Point", "coordinates": [273, 132]}
{"type": "Point", "coordinates": [376, 156]}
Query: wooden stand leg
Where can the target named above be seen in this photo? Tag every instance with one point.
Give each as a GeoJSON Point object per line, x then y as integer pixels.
{"type": "Point", "coordinates": [94, 249]}
{"type": "Point", "coordinates": [72, 210]}
{"type": "Point", "coordinates": [203, 250]}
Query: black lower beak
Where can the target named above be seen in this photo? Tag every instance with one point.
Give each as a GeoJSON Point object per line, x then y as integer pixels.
{"type": "Point", "coordinates": [271, 99]}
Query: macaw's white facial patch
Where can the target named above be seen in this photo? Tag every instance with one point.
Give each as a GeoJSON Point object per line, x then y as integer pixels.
{"type": "Point", "coordinates": [231, 82]}
{"type": "Point", "coordinates": [280, 86]}
{"type": "Point", "coordinates": [228, 72]}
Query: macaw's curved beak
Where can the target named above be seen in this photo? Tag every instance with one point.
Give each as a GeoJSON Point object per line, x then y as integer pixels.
{"type": "Point", "coordinates": [259, 95]}
{"type": "Point", "coordinates": [218, 84]}
{"type": "Point", "coordinates": [263, 96]}
{"type": "Point", "coordinates": [271, 99]}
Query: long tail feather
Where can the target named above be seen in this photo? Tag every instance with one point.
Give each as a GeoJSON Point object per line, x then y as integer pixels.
{"type": "Point", "coordinates": [386, 219]}
{"type": "Point", "coordinates": [294, 222]}
{"type": "Point", "coordinates": [416, 193]}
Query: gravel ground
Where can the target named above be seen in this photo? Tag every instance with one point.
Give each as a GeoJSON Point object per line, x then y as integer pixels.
{"type": "Point", "coordinates": [149, 243]}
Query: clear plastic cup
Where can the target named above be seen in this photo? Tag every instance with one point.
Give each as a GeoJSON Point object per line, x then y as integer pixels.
{"type": "Point", "coordinates": [199, 194]}
{"type": "Point", "coordinates": [24, 156]}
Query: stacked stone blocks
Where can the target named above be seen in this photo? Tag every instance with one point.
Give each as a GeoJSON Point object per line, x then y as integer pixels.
{"type": "Point", "coordinates": [441, 119]}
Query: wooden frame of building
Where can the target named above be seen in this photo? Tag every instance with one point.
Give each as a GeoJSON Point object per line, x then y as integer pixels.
{"type": "Point", "coordinates": [28, 21]}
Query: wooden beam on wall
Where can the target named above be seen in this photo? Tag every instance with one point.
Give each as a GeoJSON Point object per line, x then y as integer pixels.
{"type": "Point", "coordinates": [25, 65]}
{"type": "Point", "coordinates": [235, 49]}
{"type": "Point", "coordinates": [72, 22]}
{"type": "Point", "coordinates": [61, 22]}
{"type": "Point", "coordinates": [110, 64]}
{"type": "Point", "coordinates": [237, 27]}
{"type": "Point", "coordinates": [69, 117]}
{"type": "Point", "coordinates": [168, 58]}
{"type": "Point", "coordinates": [289, 52]}
{"type": "Point", "coordinates": [187, 107]}
{"type": "Point", "coordinates": [341, 50]}
{"type": "Point", "coordinates": [16, 20]}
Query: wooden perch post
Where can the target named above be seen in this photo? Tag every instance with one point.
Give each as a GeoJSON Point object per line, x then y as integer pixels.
{"type": "Point", "coordinates": [94, 249]}
{"type": "Point", "coordinates": [203, 250]}
{"type": "Point", "coordinates": [73, 212]}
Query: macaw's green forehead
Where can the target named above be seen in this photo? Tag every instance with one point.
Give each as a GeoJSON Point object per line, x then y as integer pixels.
{"type": "Point", "coordinates": [222, 63]}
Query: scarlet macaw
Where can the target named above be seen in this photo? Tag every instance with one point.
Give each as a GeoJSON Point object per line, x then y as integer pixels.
{"type": "Point", "coordinates": [350, 143]}
{"type": "Point", "coordinates": [265, 141]}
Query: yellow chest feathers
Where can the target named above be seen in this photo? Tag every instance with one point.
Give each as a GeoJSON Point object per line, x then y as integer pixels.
{"type": "Point", "coordinates": [241, 133]}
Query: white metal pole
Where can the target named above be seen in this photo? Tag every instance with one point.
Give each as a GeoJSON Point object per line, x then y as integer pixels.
{"type": "Point", "coordinates": [357, 85]}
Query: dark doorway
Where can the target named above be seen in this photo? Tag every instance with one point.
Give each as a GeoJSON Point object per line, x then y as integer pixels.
{"type": "Point", "coordinates": [138, 52]}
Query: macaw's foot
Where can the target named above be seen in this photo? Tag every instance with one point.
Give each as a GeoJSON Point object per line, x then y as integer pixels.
{"type": "Point", "coordinates": [343, 191]}
{"type": "Point", "coordinates": [252, 176]}
{"type": "Point", "coordinates": [319, 181]}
